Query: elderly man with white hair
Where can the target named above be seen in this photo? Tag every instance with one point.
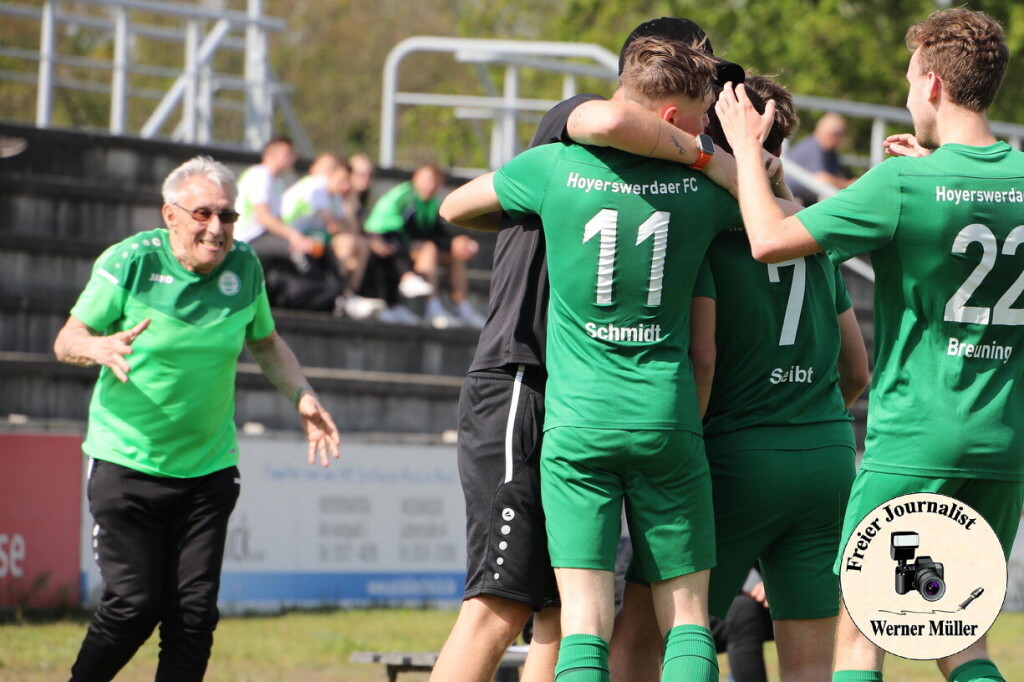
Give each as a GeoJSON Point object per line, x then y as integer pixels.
{"type": "Point", "coordinates": [166, 314]}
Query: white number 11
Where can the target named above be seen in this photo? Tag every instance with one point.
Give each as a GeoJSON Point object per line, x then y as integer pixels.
{"type": "Point", "coordinates": [606, 224]}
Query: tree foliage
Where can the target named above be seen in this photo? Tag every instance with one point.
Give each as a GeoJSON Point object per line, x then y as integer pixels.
{"type": "Point", "coordinates": [846, 49]}
{"type": "Point", "coordinates": [333, 53]}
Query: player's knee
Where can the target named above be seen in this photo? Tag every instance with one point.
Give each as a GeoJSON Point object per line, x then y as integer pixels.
{"type": "Point", "coordinates": [498, 614]}
{"type": "Point", "coordinates": [128, 620]}
{"type": "Point", "coordinates": [547, 625]}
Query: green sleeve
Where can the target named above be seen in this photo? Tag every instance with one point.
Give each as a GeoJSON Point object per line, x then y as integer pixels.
{"type": "Point", "coordinates": [262, 324]}
{"type": "Point", "coordinates": [102, 301]}
{"type": "Point", "coordinates": [727, 209]}
{"type": "Point", "coordinates": [521, 183]}
{"type": "Point", "coordinates": [843, 301]}
{"type": "Point", "coordinates": [704, 286]}
{"type": "Point", "coordinates": [861, 218]}
{"type": "Point", "coordinates": [388, 214]}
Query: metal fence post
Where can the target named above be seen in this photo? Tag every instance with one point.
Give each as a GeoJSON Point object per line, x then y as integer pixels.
{"type": "Point", "coordinates": [257, 123]}
{"type": "Point", "coordinates": [191, 100]}
{"type": "Point", "coordinates": [119, 81]}
{"type": "Point", "coordinates": [47, 39]}
{"type": "Point", "coordinates": [509, 118]}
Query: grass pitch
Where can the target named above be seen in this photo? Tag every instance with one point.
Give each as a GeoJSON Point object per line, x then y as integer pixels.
{"type": "Point", "coordinates": [315, 647]}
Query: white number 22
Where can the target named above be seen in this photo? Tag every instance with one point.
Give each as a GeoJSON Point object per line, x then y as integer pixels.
{"type": "Point", "coordinates": [957, 309]}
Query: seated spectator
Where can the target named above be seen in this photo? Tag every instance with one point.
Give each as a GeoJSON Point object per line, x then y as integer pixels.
{"type": "Point", "coordinates": [743, 632]}
{"type": "Point", "coordinates": [404, 229]}
{"type": "Point", "coordinates": [361, 182]}
{"type": "Point", "coordinates": [296, 275]}
{"type": "Point", "coordinates": [314, 206]}
{"type": "Point", "coordinates": [819, 154]}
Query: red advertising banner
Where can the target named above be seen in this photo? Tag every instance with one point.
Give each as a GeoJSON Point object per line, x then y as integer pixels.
{"type": "Point", "coordinates": [40, 519]}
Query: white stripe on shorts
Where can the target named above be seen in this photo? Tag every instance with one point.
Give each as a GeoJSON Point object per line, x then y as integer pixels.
{"type": "Point", "coordinates": [510, 427]}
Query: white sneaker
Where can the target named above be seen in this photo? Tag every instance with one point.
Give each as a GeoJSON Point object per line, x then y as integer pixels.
{"type": "Point", "coordinates": [414, 286]}
{"type": "Point", "coordinates": [470, 316]}
{"type": "Point", "coordinates": [444, 320]}
{"type": "Point", "coordinates": [438, 315]}
{"type": "Point", "coordinates": [398, 315]}
{"type": "Point", "coordinates": [360, 308]}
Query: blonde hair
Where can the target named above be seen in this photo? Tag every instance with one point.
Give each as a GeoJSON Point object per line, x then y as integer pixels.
{"type": "Point", "coordinates": [655, 69]}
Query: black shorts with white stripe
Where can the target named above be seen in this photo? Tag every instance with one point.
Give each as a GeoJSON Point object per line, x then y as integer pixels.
{"type": "Point", "coordinates": [501, 417]}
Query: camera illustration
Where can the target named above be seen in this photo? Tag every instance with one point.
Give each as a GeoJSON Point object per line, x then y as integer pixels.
{"type": "Point", "coordinates": [924, 575]}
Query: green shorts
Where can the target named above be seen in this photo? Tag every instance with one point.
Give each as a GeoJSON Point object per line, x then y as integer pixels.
{"type": "Point", "coordinates": [783, 509]}
{"type": "Point", "coordinates": [663, 477]}
{"type": "Point", "coordinates": [998, 502]}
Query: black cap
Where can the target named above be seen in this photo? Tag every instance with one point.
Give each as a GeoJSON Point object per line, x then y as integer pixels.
{"type": "Point", "coordinates": [684, 31]}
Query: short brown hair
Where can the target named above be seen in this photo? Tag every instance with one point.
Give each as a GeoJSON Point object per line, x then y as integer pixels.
{"type": "Point", "coordinates": [276, 140]}
{"type": "Point", "coordinates": [786, 119]}
{"type": "Point", "coordinates": [761, 89]}
{"type": "Point", "coordinates": [655, 69]}
{"type": "Point", "coordinates": [967, 50]}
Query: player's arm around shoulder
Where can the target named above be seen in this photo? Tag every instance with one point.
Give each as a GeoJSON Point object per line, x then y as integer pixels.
{"type": "Point", "coordinates": [630, 128]}
{"type": "Point", "coordinates": [475, 205]}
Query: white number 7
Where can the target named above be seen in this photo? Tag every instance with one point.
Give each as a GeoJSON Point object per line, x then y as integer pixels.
{"type": "Point", "coordinates": [796, 297]}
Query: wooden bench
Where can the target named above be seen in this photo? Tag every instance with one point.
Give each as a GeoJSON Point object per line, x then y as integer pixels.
{"type": "Point", "coordinates": [396, 662]}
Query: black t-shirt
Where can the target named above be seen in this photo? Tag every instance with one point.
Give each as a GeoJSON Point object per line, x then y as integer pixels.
{"type": "Point", "coordinates": [516, 327]}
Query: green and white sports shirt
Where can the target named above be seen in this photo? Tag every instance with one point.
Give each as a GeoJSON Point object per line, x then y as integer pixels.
{"type": "Point", "coordinates": [400, 205]}
{"type": "Point", "coordinates": [777, 336]}
{"type": "Point", "coordinates": [947, 396]}
{"type": "Point", "coordinates": [175, 415]}
{"type": "Point", "coordinates": [307, 197]}
{"type": "Point", "coordinates": [625, 236]}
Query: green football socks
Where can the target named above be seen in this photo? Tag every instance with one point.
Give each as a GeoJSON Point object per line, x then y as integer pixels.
{"type": "Point", "coordinates": [978, 670]}
{"type": "Point", "coordinates": [857, 676]}
{"type": "Point", "coordinates": [582, 658]}
{"type": "Point", "coordinates": [690, 655]}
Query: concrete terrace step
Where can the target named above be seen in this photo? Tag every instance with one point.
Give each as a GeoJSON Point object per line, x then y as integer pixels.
{"type": "Point", "coordinates": [54, 263]}
{"type": "Point", "coordinates": [38, 386]}
{"type": "Point", "coordinates": [61, 208]}
{"type": "Point", "coordinates": [114, 159]}
{"type": "Point", "coordinates": [29, 322]}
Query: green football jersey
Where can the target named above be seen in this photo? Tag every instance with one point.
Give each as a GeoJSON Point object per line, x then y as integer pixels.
{"type": "Point", "coordinates": [399, 205]}
{"type": "Point", "coordinates": [777, 336]}
{"type": "Point", "coordinates": [624, 236]}
{"type": "Point", "coordinates": [175, 415]}
{"type": "Point", "coordinates": [947, 397]}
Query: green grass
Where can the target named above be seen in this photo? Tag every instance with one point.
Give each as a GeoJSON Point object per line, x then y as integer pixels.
{"type": "Point", "coordinates": [315, 647]}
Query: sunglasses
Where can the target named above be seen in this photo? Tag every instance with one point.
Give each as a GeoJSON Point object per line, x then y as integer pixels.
{"type": "Point", "coordinates": [203, 214]}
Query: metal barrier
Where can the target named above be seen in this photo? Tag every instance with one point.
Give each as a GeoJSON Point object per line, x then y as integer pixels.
{"type": "Point", "coordinates": [203, 34]}
{"type": "Point", "coordinates": [504, 109]}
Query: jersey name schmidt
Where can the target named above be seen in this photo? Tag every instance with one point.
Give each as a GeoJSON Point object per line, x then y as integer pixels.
{"type": "Point", "coordinates": [577, 181]}
{"type": "Point", "coordinates": [642, 333]}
